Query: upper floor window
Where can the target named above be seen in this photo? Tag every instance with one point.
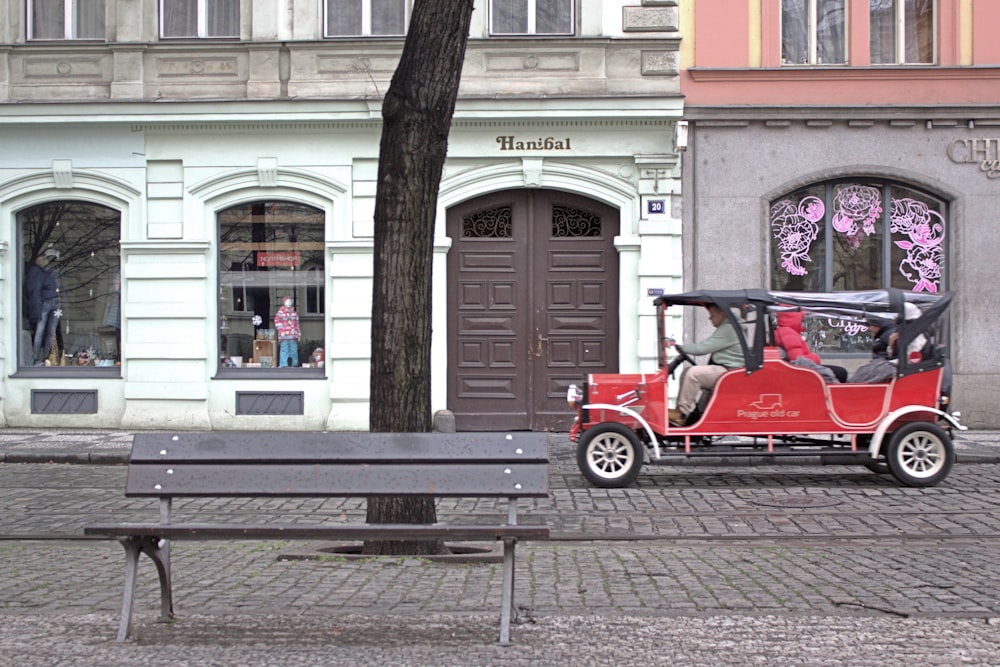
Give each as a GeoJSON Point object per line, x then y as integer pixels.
{"type": "Point", "coordinates": [66, 19]}
{"type": "Point", "coordinates": [813, 32]}
{"type": "Point", "coordinates": [200, 18]}
{"type": "Point", "coordinates": [531, 17]}
{"type": "Point", "coordinates": [902, 31]}
{"type": "Point", "coordinates": [365, 18]}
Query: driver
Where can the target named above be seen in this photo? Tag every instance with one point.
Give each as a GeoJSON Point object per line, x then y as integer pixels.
{"type": "Point", "coordinates": [724, 346]}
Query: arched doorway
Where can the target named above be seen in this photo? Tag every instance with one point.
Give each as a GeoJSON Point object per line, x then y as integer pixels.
{"type": "Point", "coordinates": [532, 306]}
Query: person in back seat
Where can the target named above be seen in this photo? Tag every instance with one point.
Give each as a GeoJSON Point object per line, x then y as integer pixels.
{"type": "Point", "coordinates": [788, 336]}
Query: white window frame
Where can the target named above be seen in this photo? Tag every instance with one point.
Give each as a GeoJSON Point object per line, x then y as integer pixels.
{"type": "Point", "coordinates": [202, 23]}
{"type": "Point", "coordinates": [899, 6]}
{"type": "Point", "coordinates": [366, 20]}
{"type": "Point", "coordinates": [812, 36]}
{"type": "Point", "coordinates": [532, 16]}
{"type": "Point", "coordinates": [69, 22]}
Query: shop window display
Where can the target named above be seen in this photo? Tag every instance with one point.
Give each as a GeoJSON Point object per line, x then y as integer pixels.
{"type": "Point", "coordinates": [853, 235]}
{"type": "Point", "coordinates": [271, 286]}
{"type": "Point", "coordinates": [70, 286]}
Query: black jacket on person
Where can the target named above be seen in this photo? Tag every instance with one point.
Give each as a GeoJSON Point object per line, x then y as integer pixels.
{"type": "Point", "coordinates": [880, 346]}
{"type": "Point", "coordinates": [40, 286]}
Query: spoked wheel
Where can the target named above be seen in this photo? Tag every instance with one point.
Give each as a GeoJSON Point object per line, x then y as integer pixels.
{"type": "Point", "coordinates": [609, 455]}
{"type": "Point", "coordinates": [920, 454]}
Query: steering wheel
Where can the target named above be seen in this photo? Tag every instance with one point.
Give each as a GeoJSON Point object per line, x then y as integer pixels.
{"type": "Point", "coordinates": [681, 357]}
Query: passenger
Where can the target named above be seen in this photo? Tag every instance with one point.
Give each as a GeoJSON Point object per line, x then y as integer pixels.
{"type": "Point", "coordinates": [916, 347]}
{"type": "Point", "coordinates": [882, 367]}
{"type": "Point", "coordinates": [724, 346]}
{"type": "Point", "coordinates": [882, 338]}
{"type": "Point", "coordinates": [788, 336]}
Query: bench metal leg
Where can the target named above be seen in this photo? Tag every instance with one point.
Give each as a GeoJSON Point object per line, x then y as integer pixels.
{"type": "Point", "coordinates": [507, 598]}
{"type": "Point", "coordinates": [134, 547]}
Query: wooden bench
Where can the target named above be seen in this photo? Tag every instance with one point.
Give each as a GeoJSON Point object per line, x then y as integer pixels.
{"type": "Point", "coordinates": [328, 465]}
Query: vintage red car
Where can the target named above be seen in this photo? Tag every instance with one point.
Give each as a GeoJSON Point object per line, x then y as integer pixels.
{"type": "Point", "coordinates": [899, 424]}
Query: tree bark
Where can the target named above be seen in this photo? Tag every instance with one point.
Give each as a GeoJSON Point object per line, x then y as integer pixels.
{"type": "Point", "coordinates": [416, 115]}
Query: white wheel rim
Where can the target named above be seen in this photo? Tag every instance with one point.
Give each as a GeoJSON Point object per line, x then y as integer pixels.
{"type": "Point", "coordinates": [610, 455]}
{"type": "Point", "coordinates": [921, 454]}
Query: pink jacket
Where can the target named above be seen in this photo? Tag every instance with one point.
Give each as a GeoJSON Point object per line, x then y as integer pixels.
{"type": "Point", "coordinates": [788, 336]}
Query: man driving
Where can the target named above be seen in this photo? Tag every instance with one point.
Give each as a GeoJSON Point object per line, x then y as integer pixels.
{"type": "Point", "coordinates": [724, 347]}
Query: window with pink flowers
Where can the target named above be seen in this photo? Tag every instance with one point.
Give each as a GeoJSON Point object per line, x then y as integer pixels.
{"type": "Point", "coordinates": [858, 234]}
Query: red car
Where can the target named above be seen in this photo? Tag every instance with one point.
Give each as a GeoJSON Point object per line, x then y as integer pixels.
{"type": "Point", "coordinates": [776, 408]}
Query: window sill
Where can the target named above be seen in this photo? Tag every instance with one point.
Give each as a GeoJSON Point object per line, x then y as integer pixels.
{"type": "Point", "coordinates": [270, 374]}
{"type": "Point", "coordinates": [47, 372]}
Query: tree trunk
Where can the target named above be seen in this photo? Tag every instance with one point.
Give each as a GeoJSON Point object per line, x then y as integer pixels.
{"type": "Point", "coordinates": [416, 115]}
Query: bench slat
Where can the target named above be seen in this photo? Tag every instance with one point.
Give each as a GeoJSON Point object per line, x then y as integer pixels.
{"type": "Point", "coordinates": [335, 480]}
{"type": "Point", "coordinates": [361, 447]}
{"type": "Point", "coordinates": [209, 531]}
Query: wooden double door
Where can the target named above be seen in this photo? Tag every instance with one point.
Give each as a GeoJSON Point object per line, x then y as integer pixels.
{"type": "Point", "coordinates": [532, 306]}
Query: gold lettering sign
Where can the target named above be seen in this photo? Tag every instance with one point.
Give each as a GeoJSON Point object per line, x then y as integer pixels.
{"type": "Point", "coordinates": [984, 152]}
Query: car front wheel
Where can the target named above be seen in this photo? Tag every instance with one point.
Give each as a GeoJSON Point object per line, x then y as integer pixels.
{"type": "Point", "coordinates": [920, 454]}
{"type": "Point", "coordinates": [609, 455]}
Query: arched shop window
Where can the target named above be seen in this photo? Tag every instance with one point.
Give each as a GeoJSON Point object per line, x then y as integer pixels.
{"type": "Point", "coordinates": [70, 286]}
{"type": "Point", "coordinates": [271, 252]}
{"type": "Point", "coordinates": [858, 234]}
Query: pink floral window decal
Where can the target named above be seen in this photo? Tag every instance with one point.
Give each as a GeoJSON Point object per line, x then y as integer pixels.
{"type": "Point", "coordinates": [795, 227]}
{"type": "Point", "coordinates": [856, 208]}
{"type": "Point", "coordinates": [924, 231]}
{"type": "Point", "coordinates": [842, 235]}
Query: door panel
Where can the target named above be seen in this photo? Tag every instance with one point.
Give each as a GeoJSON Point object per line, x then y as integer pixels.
{"type": "Point", "coordinates": [533, 278]}
{"type": "Point", "coordinates": [575, 308]}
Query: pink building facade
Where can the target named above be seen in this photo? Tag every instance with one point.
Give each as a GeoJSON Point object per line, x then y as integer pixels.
{"type": "Point", "coordinates": [849, 145]}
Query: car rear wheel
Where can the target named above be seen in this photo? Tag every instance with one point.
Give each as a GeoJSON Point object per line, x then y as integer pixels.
{"type": "Point", "coordinates": [920, 454]}
{"type": "Point", "coordinates": [609, 455]}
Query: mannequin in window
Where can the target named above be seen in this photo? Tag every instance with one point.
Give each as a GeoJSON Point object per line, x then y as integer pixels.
{"type": "Point", "coordinates": [42, 304]}
{"type": "Point", "coordinates": [286, 322]}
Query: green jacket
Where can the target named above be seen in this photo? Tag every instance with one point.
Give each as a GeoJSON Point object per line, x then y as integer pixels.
{"type": "Point", "coordinates": [723, 345]}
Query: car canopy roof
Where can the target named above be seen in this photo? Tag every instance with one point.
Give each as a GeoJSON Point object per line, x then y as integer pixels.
{"type": "Point", "coordinates": [913, 313]}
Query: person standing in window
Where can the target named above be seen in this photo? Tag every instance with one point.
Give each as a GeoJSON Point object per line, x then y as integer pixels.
{"type": "Point", "coordinates": [42, 303]}
{"type": "Point", "coordinates": [286, 322]}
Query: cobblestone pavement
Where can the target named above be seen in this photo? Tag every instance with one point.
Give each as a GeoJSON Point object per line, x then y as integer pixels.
{"type": "Point", "coordinates": [695, 565]}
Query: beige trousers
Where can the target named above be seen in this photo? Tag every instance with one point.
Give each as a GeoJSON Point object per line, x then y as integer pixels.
{"type": "Point", "coordinates": [693, 381]}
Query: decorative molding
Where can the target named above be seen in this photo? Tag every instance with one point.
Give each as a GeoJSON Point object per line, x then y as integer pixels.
{"type": "Point", "coordinates": [219, 67]}
{"type": "Point", "coordinates": [267, 171]}
{"type": "Point", "coordinates": [535, 61]}
{"type": "Point", "coordinates": [69, 67]}
{"type": "Point", "coordinates": [660, 63]}
{"type": "Point", "coordinates": [922, 74]}
{"type": "Point", "coordinates": [238, 127]}
{"type": "Point", "coordinates": [532, 169]}
{"type": "Point", "coordinates": [62, 173]}
{"type": "Point", "coordinates": [650, 19]}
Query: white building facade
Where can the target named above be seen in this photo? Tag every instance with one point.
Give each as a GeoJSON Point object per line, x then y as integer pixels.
{"type": "Point", "coordinates": [175, 178]}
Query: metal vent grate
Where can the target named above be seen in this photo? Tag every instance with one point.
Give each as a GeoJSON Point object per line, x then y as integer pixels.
{"type": "Point", "coordinates": [64, 401]}
{"type": "Point", "coordinates": [270, 403]}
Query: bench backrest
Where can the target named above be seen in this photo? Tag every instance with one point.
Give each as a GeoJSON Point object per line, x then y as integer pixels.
{"type": "Point", "coordinates": [341, 464]}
